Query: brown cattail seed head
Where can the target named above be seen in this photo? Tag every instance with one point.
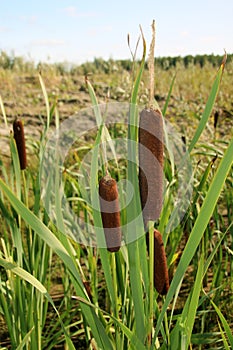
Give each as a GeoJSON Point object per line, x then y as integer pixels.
{"type": "Point", "coordinates": [151, 163]}
{"type": "Point", "coordinates": [20, 143]}
{"type": "Point", "coordinates": [216, 115]}
{"type": "Point", "coordinates": [110, 212]}
{"type": "Point", "coordinates": [161, 277]}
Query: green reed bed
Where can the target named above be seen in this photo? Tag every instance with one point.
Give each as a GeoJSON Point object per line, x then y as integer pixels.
{"type": "Point", "coordinates": [109, 300]}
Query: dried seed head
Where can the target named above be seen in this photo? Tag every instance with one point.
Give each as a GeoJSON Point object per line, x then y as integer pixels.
{"type": "Point", "coordinates": [216, 115]}
{"type": "Point", "coordinates": [151, 163]}
{"type": "Point", "coordinates": [110, 212]}
{"type": "Point", "coordinates": [20, 142]}
{"type": "Point", "coordinates": [161, 278]}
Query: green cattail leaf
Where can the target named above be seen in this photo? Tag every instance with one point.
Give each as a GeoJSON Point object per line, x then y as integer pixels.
{"type": "Point", "coordinates": [26, 339]}
{"type": "Point", "coordinates": [208, 108]}
{"type": "Point", "coordinates": [133, 209]}
{"type": "Point", "coordinates": [199, 226]}
{"type": "Point", "coordinates": [225, 324]}
{"type": "Point", "coordinates": [134, 94]}
{"type": "Point", "coordinates": [43, 231]}
{"type": "Point", "coordinates": [94, 103]}
{"type": "Point", "coordinates": [46, 100]}
{"type": "Point", "coordinates": [226, 346]}
{"type": "Point", "coordinates": [168, 96]}
{"type": "Point", "coordinates": [25, 276]}
{"type": "Point", "coordinates": [135, 343]}
{"type": "Point", "coordinates": [189, 319]}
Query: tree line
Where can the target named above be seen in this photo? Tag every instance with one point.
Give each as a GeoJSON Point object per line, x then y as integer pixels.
{"type": "Point", "coordinates": [11, 62]}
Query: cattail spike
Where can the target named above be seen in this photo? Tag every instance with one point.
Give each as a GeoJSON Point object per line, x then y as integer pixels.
{"type": "Point", "coordinates": [161, 277]}
{"type": "Point", "coordinates": [151, 163]}
{"type": "Point", "coordinates": [110, 212]}
{"type": "Point", "coordinates": [20, 142]}
{"type": "Point", "coordinates": [216, 115]}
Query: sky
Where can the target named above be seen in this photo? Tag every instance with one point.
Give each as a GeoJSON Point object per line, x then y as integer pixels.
{"type": "Point", "coordinates": [79, 31]}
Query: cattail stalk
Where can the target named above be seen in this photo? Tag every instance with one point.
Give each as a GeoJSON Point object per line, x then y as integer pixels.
{"type": "Point", "coordinates": [20, 142]}
{"type": "Point", "coordinates": [110, 212]}
{"type": "Point", "coordinates": [161, 277]}
{"type": "Point", "coordinates": [151, 163]}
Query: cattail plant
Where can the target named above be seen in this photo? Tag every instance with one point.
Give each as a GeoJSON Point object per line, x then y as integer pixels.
{"type": "Point", "coordinates": [161, 278]}
{"type": "Point", "coordinates": [110, 212]}
{"type": "Point", "coordinates": [151, 163]}
{"type": "Point", "coordinates": [20, 142]}
{"type": "Point", "coordinates": [150, 138]}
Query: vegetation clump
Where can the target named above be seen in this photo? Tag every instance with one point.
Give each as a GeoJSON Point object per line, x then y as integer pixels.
{"type": "Point", "coordinates": [168, 289]}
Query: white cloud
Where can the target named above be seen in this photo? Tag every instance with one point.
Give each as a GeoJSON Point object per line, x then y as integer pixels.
{"type": "Point", "coordinates": [99, 30]}
{"type": "Point", "coordinates": [209, 39]}
{"type": "Point", "coordinates": [4, 29]}
{"type": "Point", "coordinates": [28, 19]}
{"type": "Point", "coordinates": [184, 34]}
{"type": "Point", "coordinates": [72, 11]}
{"type": "Point", "coordinates": [47, 42]}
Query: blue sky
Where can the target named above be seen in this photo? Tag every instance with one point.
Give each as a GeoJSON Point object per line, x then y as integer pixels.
{"type": "Point", "coordinates": [79, 31]}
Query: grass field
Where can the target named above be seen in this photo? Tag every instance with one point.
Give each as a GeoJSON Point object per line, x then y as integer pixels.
{"type": "Point", "coordinates": [59, 293]}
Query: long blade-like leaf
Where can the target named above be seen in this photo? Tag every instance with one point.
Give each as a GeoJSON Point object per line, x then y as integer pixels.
{"type": "Point", "coordinates": [43, 231]}
{"type": "Point", "coordinates": [209, 106]}
{"type": "Point", "coordinates": [200, 226]}
{"type": "Point", "coordinates": [225, 324]}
